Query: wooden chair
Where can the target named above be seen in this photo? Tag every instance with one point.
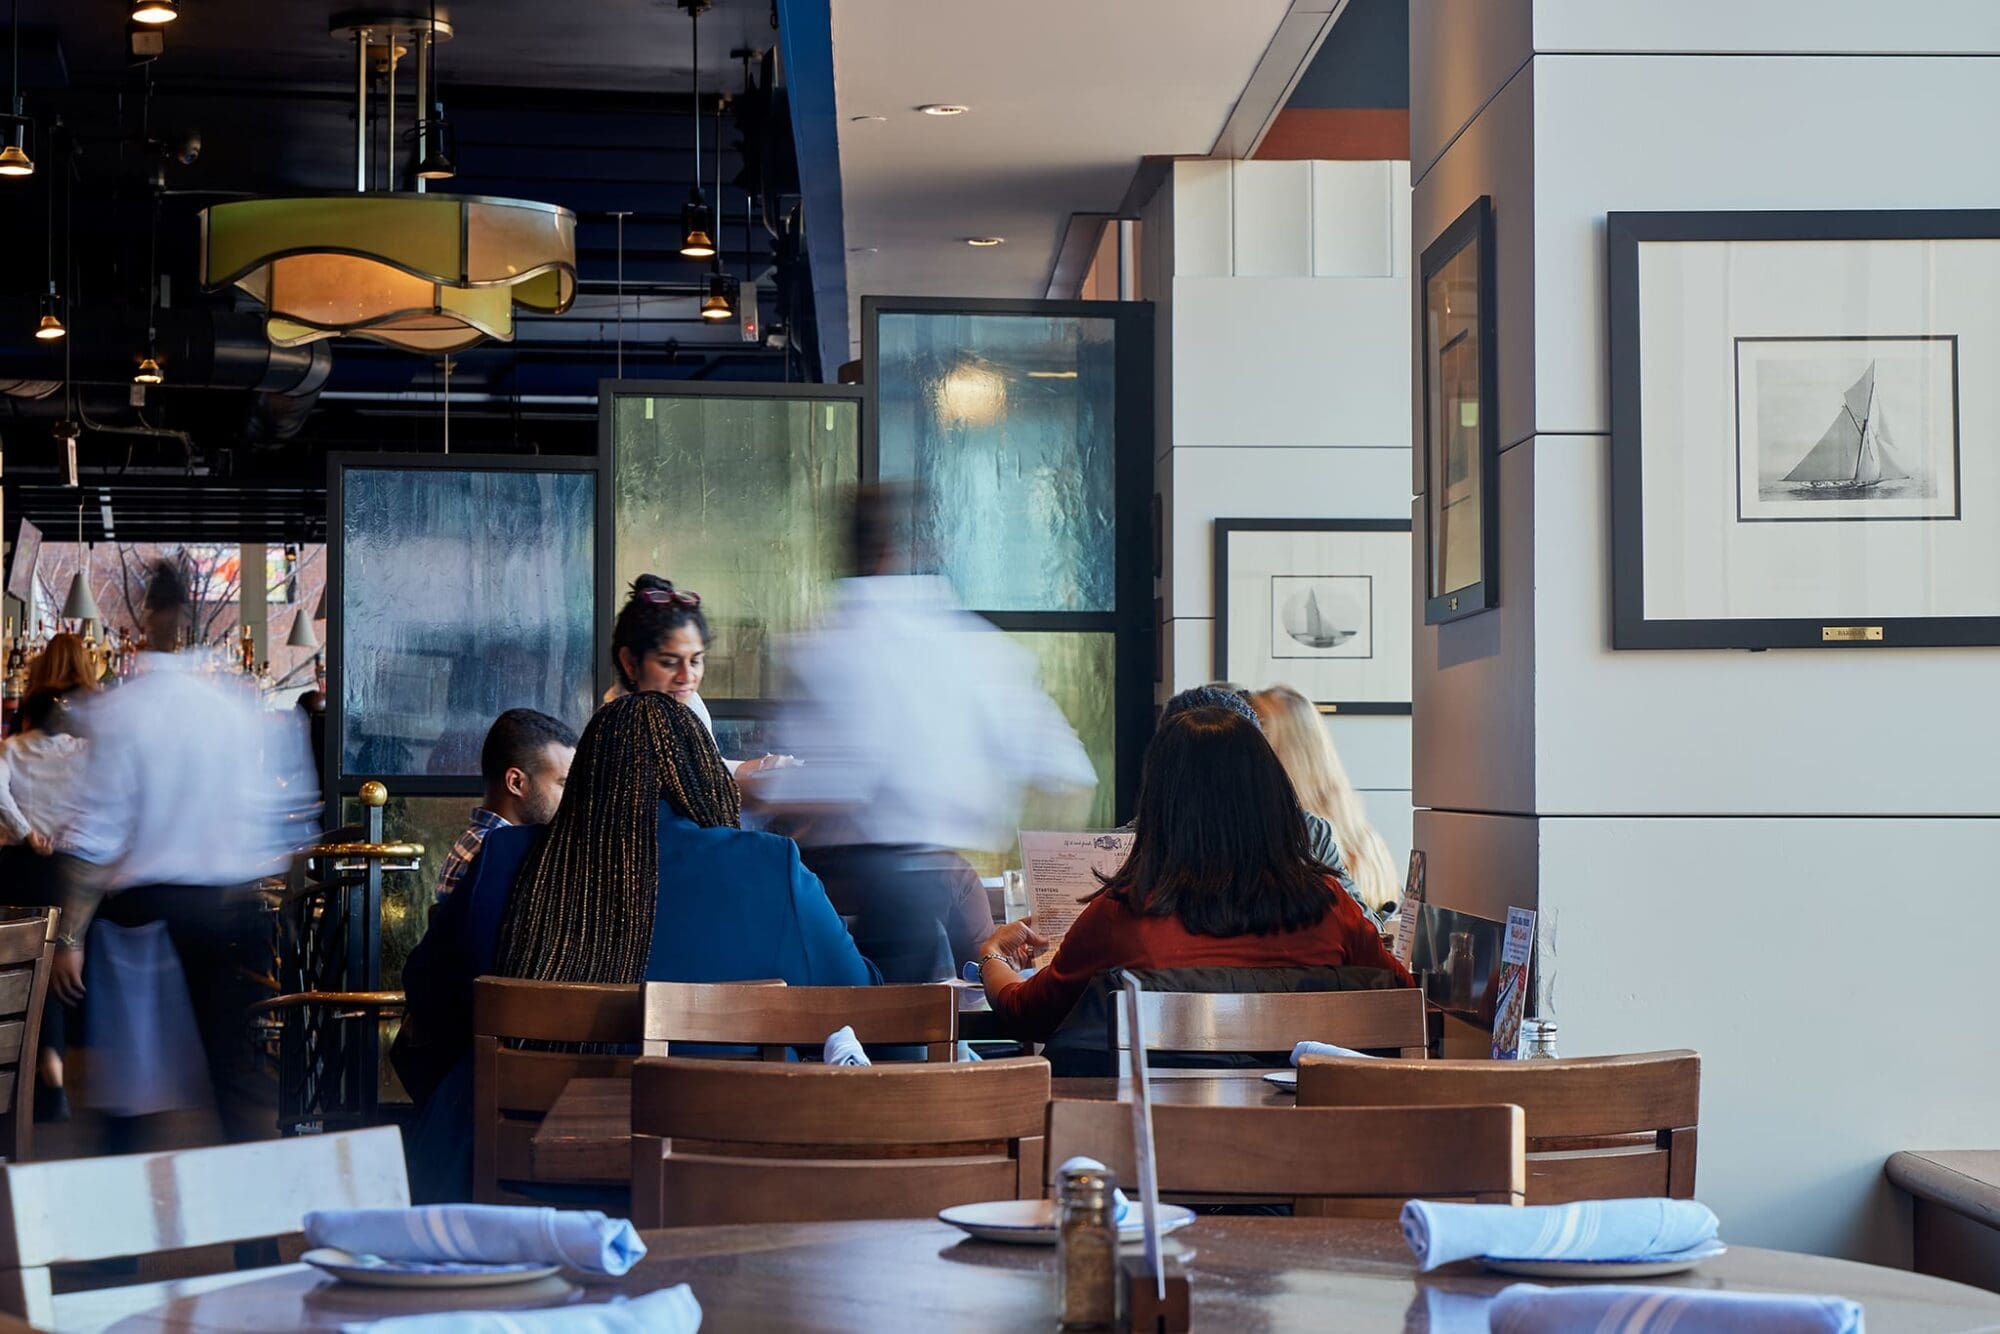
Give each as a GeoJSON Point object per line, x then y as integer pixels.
{"type": "Point", "coordinates": [758, 1142]}
{"type": "Point", "coordinates": [1376, 1157]}
{"type": "Point", "coordinates": [512, 1089]}
{"type": "Point", "coordinates": [774, 1017]}
{"type": "Point", "coordinates": [1214, 1023]}
{"type": "Point", "coordinates": [137, 1204]}
{"type": "Point", "coordinates": [1602, 1127]}
{"type": "Point", "coordinates": [26, 951]}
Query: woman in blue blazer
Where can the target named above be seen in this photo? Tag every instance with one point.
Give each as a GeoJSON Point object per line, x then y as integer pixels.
{"type": "Point", "coordinates": [643, 875]}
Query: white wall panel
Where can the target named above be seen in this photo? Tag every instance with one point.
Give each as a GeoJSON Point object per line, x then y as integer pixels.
{"type": "Point", "coordinates": [1271, 223]}
{"type": "Point", "coordinates": [1202, 213]}
{"type": "Point", "coordinates": [1390, 813]}
{"type": "Point", "coordinates": [1399, 228]}
{"type": "Point", "coordinates": [1291, 362]}
{"type": "Point", "coordinates": [1354, 218]}
{"type": "Point", "coordinates": [1374, 747]}
{"type": "Point", "coordinates": [1255, 483]}
{"type": "Point", "coordinates": [1190, 653]}
{"type": "Point", "coordinates": [1771, 947]}
{"type": "Point", "coordinates": [1863, 27]}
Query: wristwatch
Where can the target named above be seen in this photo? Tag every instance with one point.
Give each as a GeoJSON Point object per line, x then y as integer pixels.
{"type": "Point", "coordinates": [994, 956]}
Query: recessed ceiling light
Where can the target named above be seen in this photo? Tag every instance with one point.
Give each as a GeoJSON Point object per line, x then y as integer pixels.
{"type": "Point", "coordinates": [943, 109]}
{"type": "Point", "coordinates": [985, 240]}
{"type": "Point", "coordinates": [858, 119]}
{"type": "Point", "coordinates": [1051, 375]}
{"type": "Point", "coordinates": [862, 249]}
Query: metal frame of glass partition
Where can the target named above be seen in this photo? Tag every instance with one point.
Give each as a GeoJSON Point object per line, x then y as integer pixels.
{"type": "Point", "coordinates": [609, 596]}
{"type": "Point", "coordinates": [1131, 619]}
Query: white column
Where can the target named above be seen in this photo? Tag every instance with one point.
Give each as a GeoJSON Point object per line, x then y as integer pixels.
{"type": "Point", "coordinates": [1725, 870]}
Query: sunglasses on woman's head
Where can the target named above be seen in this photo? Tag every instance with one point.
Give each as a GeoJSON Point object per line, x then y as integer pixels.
{"type": "Point", "coordinates": [669, 597]}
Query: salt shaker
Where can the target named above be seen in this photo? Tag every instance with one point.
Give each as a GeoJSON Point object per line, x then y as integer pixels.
{"type": "Point", "coordinates": [1087, 1249]}
{"type": "Point", "coordinates": [1538, 1039]}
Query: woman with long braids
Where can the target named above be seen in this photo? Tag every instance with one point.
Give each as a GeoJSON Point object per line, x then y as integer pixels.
{"type": "Point", "coordinates": [643, 875]}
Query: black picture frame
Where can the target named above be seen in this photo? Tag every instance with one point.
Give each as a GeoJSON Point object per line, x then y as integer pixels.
{"type": "Point", "coordinates": [1135, 636]}
{"type": "Point", "coordinates": [1221, 667]}
{"type": "Point", "coordinates": [1632, 628]}
{"type": "Point", "coordinates": [1471, 229]}
{"type": "Point", "coordinates": [610, 597]}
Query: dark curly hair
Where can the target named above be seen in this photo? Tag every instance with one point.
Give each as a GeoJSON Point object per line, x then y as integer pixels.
{"type": "Point", "coordinates": [644, 624]}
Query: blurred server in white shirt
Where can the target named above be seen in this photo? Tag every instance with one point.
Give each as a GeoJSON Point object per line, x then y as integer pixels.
{"type": "Point", "coordinates": [919, 729]}
{"type": "Point", "coordinates": [195, 793]}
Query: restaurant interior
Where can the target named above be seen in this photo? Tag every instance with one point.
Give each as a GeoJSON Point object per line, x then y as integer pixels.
{"type": "Point", "coordinates": [797, 664]}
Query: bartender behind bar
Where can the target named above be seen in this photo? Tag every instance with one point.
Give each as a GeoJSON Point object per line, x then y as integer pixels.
{"type": "Point", "coordinates": [920, 728]}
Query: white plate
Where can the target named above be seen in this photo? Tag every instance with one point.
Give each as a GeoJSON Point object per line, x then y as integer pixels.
{"type": "Point", "coordinates": [1033, 1222]}
{"type": "Point", "coordinates": [1658, 1267]}
{"type": "Point", "coordinates": [1288, 1080]}
{"type": "Point", "coordinates": [374, 1272]}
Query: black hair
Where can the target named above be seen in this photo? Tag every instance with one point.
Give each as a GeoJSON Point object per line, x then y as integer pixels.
{"type": "Point", "coordinates": [516, 741]}
{"type": "Point", "coordinates": [881, 525]}
{"type": "Point", "coordinates": [643, 624]}
{"type": "Point", "coordinates": [1219, 840]}
{"type": "Point", "coordinates": [166, 587]}
{"type": "Point", "coordinates": [39, 708]}
{"type": "Point", "coordinates": [1211, 697]}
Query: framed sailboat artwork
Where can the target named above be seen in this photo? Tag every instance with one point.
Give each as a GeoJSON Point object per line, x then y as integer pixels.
{"type": "Point", "coordinates": [1322, 605]}
{"type": "Point", "coordinates": [1792, 397]}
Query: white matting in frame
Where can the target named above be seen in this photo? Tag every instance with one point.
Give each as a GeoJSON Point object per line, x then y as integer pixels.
{"type": "Point", "coordinates": [1323, 605]}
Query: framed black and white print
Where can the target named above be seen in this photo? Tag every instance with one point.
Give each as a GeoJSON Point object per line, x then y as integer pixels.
{"type": "Point", "coordinates": [1461, 444]}
{"type": "Point", "coordinates": [1797, 404]}
{"type": "Point", "coordinates": [1322, 605]}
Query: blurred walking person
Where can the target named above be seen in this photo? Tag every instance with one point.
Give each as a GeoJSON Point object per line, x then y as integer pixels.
{"type": "Point", "coordinates": [195, 794]}
{"type": "Point", "coordinates": [919, 729]}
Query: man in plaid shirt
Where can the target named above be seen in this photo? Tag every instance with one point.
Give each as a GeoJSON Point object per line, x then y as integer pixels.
{"type": "Point", "coordinates": [524, 762]}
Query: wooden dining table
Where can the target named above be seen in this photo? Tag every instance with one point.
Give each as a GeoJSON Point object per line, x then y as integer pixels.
{"type": "Point", "coordinates": [1243, 1273]}
{"type": "Point", "coordinates": [587, 1134]}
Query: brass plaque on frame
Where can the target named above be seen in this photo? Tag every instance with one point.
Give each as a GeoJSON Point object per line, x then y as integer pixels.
{"type": "Point", "coordinates": [1851, 634]}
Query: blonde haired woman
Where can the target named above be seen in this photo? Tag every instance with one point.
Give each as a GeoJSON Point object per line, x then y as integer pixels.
{"type": "Point", "coordinates": [1297, 732]}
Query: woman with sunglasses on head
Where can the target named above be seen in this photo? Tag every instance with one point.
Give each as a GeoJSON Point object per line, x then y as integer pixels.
{"type": "Point", "coordinates": [660, 642]}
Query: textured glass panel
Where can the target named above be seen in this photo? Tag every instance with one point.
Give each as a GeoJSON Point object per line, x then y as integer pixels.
{"type": "Point", "coordinates": [1077, 671]}
{"type": "Point", "coordinates": [463, 594]}
{"type": "Point", "coordinates": [1007, 421]}
{"type": "Point", "coordinates": [743, 501]}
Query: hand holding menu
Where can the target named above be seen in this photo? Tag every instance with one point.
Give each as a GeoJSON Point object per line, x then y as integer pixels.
{"type": "Point", "coordinates": [1061, 870]}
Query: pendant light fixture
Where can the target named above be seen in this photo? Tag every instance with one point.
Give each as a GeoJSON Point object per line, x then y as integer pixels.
{"type": "Point", "coordinates": [697, 219]}
{"type": "Point", "coordinates": [422, 272]}
{"type": "Point", "coordinates": [80, 605]}
{"type": "Point", "coordinates": [14, 159]}
{"type": "Point", "coordinates": [717, 304]}
{"type": "Point", "coordinates": [435, 141]}
{"type": "Point", "coordinates": [50, 327]}
{"type": "Point", "coordinates": [155, 11]}
{"type": "Point", "coordinates": [302, 635]}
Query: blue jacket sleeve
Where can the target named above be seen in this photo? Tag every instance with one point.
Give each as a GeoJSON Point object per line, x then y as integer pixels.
{"type": "Point", "coordinates": [832, 960]}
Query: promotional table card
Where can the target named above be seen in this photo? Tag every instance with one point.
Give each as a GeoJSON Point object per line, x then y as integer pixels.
{"type": "Point", "coordinates": [1410, 911]}
{"type": "Point", "coordinates": [1513, 1002]}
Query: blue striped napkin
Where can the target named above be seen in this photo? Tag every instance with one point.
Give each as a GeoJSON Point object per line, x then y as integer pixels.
{"type": "Point", "coordinates": [1592, 1230]}
{"type": "Point", "coordinates": [668, 1311]}
{"type": "Point", "coordinates": [482, 1234]}
{"type": "Point", "coordinates": [1528, 1309]}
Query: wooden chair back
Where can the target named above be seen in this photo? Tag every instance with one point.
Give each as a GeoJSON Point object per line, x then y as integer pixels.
{"type": "Point", "coordinates": [26, 953]}
{"type": "Point", "coordinates": [759, 1142]}
{"type": "Point", "coordinates": [83, 1209]}
{"type": "Point", "coordinates": [1275, 1021]}
{"type": "Point", "coordinates": [513, 1088]}
{"type": "Point", "coordinates": [1375, 1156]}
{"type": "Point", "coordinates": [774, 1017]}
{"type": "Point", "coordinates": [1599, 1128]}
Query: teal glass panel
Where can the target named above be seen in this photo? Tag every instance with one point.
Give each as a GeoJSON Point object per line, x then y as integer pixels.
{"type": "Point", "coordinates": [463, 594]}
{"type": "Point", "coordinates": [742, 500]}
{"type": "Point", "coordinates": [1006, 421]}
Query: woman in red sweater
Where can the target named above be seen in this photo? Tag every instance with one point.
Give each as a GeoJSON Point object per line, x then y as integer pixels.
{"type": "Point", "coordinates": [1220, 875]}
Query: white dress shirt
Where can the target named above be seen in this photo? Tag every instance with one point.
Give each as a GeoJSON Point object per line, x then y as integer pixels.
{"type": "Point", "coordinates": [41, 786]}
{"type": "Point", "coordinates": [918, 720]}
{"type": "Point", "coordinates": [191, 782]}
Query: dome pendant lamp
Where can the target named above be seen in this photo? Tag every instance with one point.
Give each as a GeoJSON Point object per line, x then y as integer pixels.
{"type": "Point", "coordinates": [428, 273]}
{"type": "Point", "coordinates": [14, 159]}
{"type": "Point", "coordinates": [697, 218]}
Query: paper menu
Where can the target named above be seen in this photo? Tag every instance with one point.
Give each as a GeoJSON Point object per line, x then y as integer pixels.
{"type": "Point", "coordinates": [1062, 869]}
{"type": "Point", "coordinates": [1513, 1002]}
{"type": "Point", "coordinates": [1410, 911]}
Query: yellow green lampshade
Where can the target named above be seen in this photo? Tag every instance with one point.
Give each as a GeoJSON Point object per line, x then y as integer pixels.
{"type": "Point", "coordinates": [429, 273]}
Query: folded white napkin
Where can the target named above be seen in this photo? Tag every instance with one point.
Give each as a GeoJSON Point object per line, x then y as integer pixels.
{"type": "Point", "coordinates": [1439, 1234]}
{"type": "Point", "coordinates": [843, 1048]}
{"type": "Point", "coordinates": [668, 1311]}
{"type": "Point", "coordinates": [482, 1234]}
{"type": "Point", "coordinates": [1120, 1206]}
{"type": "Point", "coordinates": [1305, 1049]}
{"type": "Point", "coordinates": [1528, 1309]}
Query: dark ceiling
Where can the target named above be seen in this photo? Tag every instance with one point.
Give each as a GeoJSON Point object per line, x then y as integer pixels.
{"type": "Point", "coordinates": [584, 105]}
